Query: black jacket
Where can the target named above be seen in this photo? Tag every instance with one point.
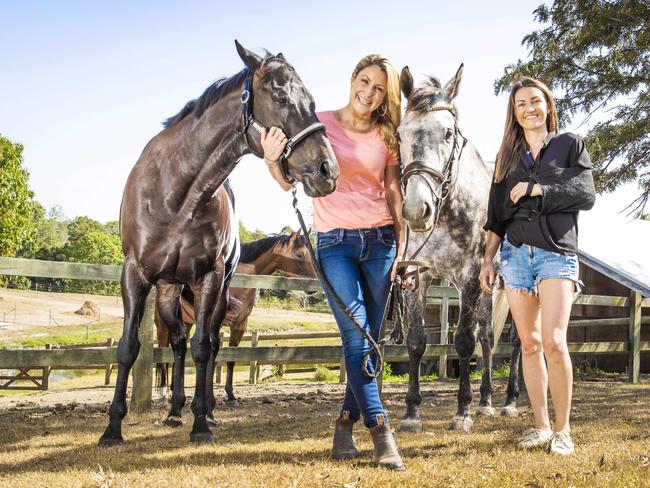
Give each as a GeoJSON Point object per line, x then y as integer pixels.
{"type": "Point", "coordinates": [563, 170]}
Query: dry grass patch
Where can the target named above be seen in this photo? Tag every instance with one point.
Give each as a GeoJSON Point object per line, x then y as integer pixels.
{"type": "Point", "coordinates": [281, 437]}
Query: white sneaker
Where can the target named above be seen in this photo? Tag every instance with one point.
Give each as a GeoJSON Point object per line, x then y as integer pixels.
{"type": "Point", "coordinates": [562, 444]}
{"type": "Point", "coordinates": [535, 438]}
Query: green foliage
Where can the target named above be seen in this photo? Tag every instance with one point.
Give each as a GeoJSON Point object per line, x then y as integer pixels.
{"type": "Point", "coordinates": [82, 226]}
{"type": "Point", "coordinates": [16, 199]}
{"type": "Point", "coordinates": [323, 374]}
{"type": "Point", "coordinates": [246, 235]}
{"type": "Point", "coordinates": [594, 53]}
{"type": "Point", "coordinates": [96, 247]}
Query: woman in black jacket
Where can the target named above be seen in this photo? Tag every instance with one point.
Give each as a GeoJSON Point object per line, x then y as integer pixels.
{"type": "Point", "coordinates": [541, 180]}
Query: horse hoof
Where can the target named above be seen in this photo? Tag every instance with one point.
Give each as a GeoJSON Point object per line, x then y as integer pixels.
{"type": "Point", "coordinates": [173, 421]}
{"type": "Point", "coordinates": [110, 441]}
{"type": "Point", "coordinates": [462, 423]}
{"type": "Point", "coordinates": [411, 426]}
{"type": "Point", "coordinates": [486, 410]}
{"type": "Point", "coordinates": [510, 411]}
{"type": "Point", "coordinates": [232, 403]}
{"type": "Point", "coordinates": [202, 437]}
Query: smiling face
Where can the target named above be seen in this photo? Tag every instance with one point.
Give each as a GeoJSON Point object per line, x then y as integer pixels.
{"type": "Point", "coordinates": [368, 90]}
{"type": "Point", "coordinates": [531, 108]}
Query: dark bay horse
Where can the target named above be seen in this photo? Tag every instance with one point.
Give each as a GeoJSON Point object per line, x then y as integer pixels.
{"type": "Point", "coordinates": [285, 252]}
{"type": "Point", "coordinates": [169, 231]}
{"type": "Point", "coordinates": [446, 193]}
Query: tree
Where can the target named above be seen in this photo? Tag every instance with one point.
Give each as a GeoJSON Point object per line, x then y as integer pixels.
{"type": "Point", "coordinates": [96, 247]}
{"type": "Point", "coordinates": [82, 226]}
{"type": "Point", "coordinates": [246, 235]}
{"type": "Point", "coordinates": [596, 55]}
{"type": "Point", "coordinates": [16, 199]}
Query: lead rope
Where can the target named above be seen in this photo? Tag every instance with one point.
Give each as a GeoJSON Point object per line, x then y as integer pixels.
{"type": "Point", "coordinates": [375, 348]}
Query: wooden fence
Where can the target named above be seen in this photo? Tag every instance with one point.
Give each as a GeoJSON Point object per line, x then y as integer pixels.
{"type": "Point", "coordinates": [150, 355]}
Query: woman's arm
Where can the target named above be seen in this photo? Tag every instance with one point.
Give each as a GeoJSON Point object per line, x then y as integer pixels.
{"type": "Point", "coordinates": [487, 276]}
{"type": "Point", "coordinates": [394, 198]}
{"type": "Point", "coordinates": [273, 143]}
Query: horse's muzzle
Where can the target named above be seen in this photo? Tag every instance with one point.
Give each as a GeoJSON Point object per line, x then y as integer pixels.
{"type": "Point", "coordinates": [322, 181]}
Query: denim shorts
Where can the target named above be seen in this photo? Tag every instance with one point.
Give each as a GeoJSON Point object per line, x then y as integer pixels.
{"type": "Point", "coordinates": [524, 267]}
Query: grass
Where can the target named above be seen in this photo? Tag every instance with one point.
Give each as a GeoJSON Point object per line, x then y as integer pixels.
{"type": "Point", "coordinates": [63, 335]}
{"type": "Point", "coordinates": [281, 437]}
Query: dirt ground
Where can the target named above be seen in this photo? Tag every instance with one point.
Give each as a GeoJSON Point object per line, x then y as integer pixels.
{"type": "Point", "coordinates": [281, 433]}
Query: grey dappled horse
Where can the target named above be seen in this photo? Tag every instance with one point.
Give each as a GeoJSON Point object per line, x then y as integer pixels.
{"type": "Point", "coordinates": [176, 221]}
{"type": "Point", "coordinates": [446, 188]}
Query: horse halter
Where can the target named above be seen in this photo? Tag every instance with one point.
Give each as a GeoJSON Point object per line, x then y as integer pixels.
{"type": "Point", "coordinates": [444, 178]}
{"type": "Point", "coordinates": [249, 120]}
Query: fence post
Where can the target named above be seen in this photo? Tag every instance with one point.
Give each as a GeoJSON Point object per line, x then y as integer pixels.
{"type": "Point", "coordinates": [634, 336]}
{"type": "Point", "coordinates": [109, 366]}
{"type": "Point", "coordinates": [251, 375]}
{"type": "Point", "coordinates": [143, 367]}
{"type": "Point", "coordinates": [46, 372]}
{"type": "Point", "coordinates": [342, 371]}
{"type": "Point", "coordinates": [444, 331]}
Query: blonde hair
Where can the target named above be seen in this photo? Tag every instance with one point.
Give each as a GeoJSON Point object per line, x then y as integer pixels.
{"type": "Point", "coordinates": [387, 116]}
{"type": "Point", "coordinates": [513, 135]}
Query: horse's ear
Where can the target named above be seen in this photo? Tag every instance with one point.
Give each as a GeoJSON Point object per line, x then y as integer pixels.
{"type": "Point", "coordinates": [280, 56]}
{"type": "Point", "coordinates": [250, 59]}
{"type": "Point", "coordinates": [406, 82]}
{"type": "Point", "coordinates": [450, 91]}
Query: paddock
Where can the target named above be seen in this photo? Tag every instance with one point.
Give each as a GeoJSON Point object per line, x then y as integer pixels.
{"type": "Point", "coordinates": [281, 434]}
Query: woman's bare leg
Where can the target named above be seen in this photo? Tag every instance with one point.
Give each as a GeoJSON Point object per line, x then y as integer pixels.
{"type": "Point", "coordinates": [525, 313]}
{"type": "Point", "coordinates": [556, 298]}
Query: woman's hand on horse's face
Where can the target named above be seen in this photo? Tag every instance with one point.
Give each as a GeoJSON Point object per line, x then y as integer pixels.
{"type": "Point", "coordinates": [519, 190]}
{"type": "Point", "coordinates": [273, 142]}
{"type": "Point", "coordinates": [487, 276]}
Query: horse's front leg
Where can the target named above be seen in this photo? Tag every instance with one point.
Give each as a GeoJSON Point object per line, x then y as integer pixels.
{"type": "Point", "coordinates": [215, 326]}
{"type": "Point", "coordinates": [206, 296]}
{"type": "Point", "coordinates": [134, 294]}
{"type": "Point", "coordinates": [465, 342]}
{"type": "Point", "coordinates": [512, 391]}
{"type": "Point", "coordinates": [416, 342]}
{"type": "Point", "coordinates": [169, 311]}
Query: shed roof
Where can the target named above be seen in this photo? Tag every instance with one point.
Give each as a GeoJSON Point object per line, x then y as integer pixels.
{"type": "Point", "coordinates": [616, 247]}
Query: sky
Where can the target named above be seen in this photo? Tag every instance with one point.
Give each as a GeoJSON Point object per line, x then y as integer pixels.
{"type": "Point", "coordinates": [85, 85]}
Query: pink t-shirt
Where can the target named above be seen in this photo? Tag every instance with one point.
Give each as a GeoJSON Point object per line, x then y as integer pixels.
{"type": "Point", "coordinates": [359, 200]}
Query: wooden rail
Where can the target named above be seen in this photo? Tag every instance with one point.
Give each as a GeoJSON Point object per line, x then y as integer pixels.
{"type": "Point", "coordinates": [149, 355]}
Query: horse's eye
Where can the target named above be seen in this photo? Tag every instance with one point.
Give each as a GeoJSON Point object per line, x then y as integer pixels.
{"type": "Point", "coordinates": [300, 255]}
{"type": "Point", "coordinates": [449, 134]}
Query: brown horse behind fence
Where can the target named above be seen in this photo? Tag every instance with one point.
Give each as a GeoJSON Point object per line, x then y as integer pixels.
{"type": "Point", "coordinates": [285, 252]}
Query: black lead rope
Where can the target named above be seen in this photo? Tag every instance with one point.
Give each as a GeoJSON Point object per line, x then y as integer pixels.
{"type": "Point", "coordinates": [375, 347]}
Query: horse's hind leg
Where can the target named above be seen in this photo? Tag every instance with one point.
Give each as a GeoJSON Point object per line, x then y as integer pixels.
{"type": "Point", "coordinates": [512, 391]}
{"type": "Point", "coordinates": [206, 297]}
{"type": "Point", "coordinates": [465, 342]}
{"type": "Point", "coordinates": [215, 326]}
{"type": "Point", "coordinates": [168, 307]}
{"type": "Point", "coordinates": [416, 342]}
{"type": "Point", "coordinates": [486, 340]}
{"type": "Point", "coordinates": [134, 295]}
{"type": "Point", "coordinates": [162, 369]}
{"type": "Point", "coordinates": [236, 334]}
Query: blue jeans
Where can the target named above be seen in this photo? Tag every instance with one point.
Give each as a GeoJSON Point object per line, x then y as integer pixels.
{"type": "Point", "coordinates": [523, 267]}
{"type": "Point", "coordinates": [357, 264]}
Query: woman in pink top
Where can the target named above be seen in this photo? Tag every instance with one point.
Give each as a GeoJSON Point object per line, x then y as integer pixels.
{"type": "Point", "coordinates": [360, 232]}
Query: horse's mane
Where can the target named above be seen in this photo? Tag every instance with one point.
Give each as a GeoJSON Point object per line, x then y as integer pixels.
{"type": "Point", "coordinates": [250, 251]}
{"type": "Point", "coordinates": [214, 92]}
{"type": "Point", "coordinates": [426, 95]}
